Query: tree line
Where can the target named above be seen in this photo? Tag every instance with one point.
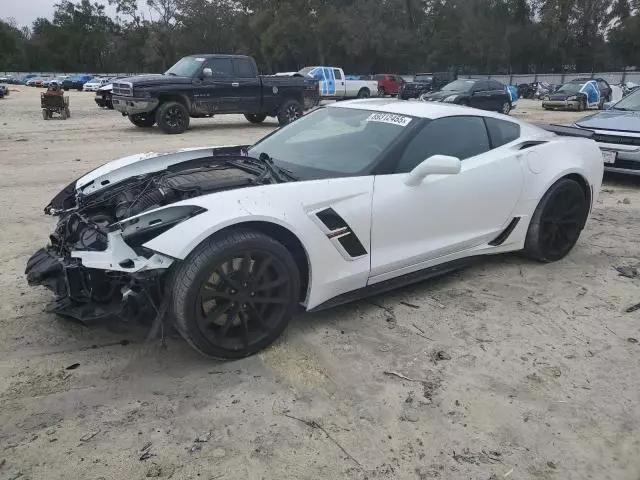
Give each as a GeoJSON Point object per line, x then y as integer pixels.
{"type": "Point", "coordinates": [362, 36]}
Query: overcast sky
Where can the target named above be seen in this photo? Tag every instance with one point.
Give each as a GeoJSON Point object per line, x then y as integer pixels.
{"type": "Point", "coordinates": [26, 11]}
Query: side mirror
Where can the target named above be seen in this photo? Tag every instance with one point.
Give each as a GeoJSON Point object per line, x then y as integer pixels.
{"type": "Point", "coordinates": [434, 165]}
{"type": "Point", "coordinates": [207, 72]}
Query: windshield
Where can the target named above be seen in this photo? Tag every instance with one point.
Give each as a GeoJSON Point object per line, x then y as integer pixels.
{"type": "Point", "coordinates": [186, 67]}
{"type": "Point", "coordinates": [458, 86]}
{"type": "Point", "coordinates": [332, 142]}
{"type": "Point", "coordinates": [630, 102]}
{"type": "Point", "coordinates": [306, 70]}
{"type": "Point", "coordinates": [423, 78]}
{"type": "Point", "coordinates": [570, 87]}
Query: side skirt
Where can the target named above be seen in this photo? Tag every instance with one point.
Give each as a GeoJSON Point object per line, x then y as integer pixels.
{"type": "Point", "coordinates": [394, 283]}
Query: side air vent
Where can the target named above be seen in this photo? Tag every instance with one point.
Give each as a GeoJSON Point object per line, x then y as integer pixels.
{"type": "Point", "coordinates": [341, 231]}
{"type": "Point", "coordinates": [530, 144]}
{"type": "Point", "coordinates": [331, 219]}
{"type": "Point", "coordinates": [500, 239]}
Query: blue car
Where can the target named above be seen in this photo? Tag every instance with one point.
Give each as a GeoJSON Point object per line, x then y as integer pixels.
{"type": "Point", "coordinates": [579, 94]}
{"type": "Point", "coordinates": [617, 131]}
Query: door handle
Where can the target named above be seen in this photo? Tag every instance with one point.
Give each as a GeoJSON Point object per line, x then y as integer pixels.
{"type": "Point", "coordinates": [235, 84]}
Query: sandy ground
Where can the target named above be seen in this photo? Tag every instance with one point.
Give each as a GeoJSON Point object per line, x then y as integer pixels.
{"type": "Point", "coordinates": [512, 369]}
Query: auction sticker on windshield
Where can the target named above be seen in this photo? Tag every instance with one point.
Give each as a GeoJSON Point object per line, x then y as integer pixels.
{"type": "Point", "coordinates": [392, 118]}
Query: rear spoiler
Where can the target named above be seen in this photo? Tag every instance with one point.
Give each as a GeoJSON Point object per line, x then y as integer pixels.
{"type": "Point", "coordinates": [565, 131]}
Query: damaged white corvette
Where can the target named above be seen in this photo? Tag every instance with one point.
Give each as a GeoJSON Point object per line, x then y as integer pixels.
{"type": "Point", "coordinates": [351, 200]}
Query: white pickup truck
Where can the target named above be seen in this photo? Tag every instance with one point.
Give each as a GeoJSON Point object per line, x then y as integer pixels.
{"type": "Point", "coordinates": [333, 84]}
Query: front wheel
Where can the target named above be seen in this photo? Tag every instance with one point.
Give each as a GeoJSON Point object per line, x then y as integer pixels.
{"type": "Point", "coordinates": [289, 112]}
{"type": "Point", "coordinates": [255, 117]}
{"type": "Point", "coordinates": [142, 120]}
{"type": "Point", "coordinates": [172, 117]}
{"type": "Point", "coordinates": [557, 221]}
{"type": "Point", "coordinates": [235, 294]}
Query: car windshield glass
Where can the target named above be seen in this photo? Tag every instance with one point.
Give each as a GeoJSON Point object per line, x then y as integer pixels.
{"type": "Point", "coordinates": [458, 86]}
{"type": "Point", "coordinates": [570, 87]}
{"type": "Point", "coordinates": [306, 70]}
{"type": "Point", "coordinates": [186, 67]}
{"type": "Point", "coordinates": [423, 78]}
{"type": "Point", "coordinates": [332, 142]}
{"type": "Point", "coordinates": [630, 102]}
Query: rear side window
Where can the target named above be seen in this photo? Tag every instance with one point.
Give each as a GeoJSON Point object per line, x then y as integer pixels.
{"type": "Point", "coordinates": [222, 67]}
{"type": "Point", "coordinates": [496, 85]}
{"type": "Point", "coordinates": [461, 137]}
{"type": "Point", "coordinates": [243, 68]}
{"type": "Point", "coordinates": [501, 132]}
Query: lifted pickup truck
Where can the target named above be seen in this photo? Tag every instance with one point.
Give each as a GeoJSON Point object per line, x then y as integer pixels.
{"type": "Point", "coordinates": [206, 85]}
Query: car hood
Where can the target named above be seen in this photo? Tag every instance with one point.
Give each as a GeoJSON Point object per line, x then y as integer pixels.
{"type": "Point", "coordinates": [612, 120]}
{"type": "Point", "coordinates": [149, 80]}
{"type": "Point", "coordinates": [106, 88]}
{"type": "Point", "coordinates": [116, 171]}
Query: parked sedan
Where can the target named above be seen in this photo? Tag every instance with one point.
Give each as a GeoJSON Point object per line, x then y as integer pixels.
{"type": "Point", "coordinates": [95, 83]}
{"type": "Point", "coordinates": [617, 131]}
{"type": "Point", "coordinates": [483, 94]}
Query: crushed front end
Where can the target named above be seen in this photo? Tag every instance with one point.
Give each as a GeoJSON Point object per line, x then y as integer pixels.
{"type": "Point", "coordinates": [96, 263]}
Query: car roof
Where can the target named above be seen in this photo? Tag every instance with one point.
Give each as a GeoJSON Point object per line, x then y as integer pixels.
{"type": "Point", "coordinates": [431, 110]}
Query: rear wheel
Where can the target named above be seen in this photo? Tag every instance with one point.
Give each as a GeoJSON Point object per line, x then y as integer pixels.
{"type": "Point", "coordinates": [381, 92]}
{"type": "Point", "coordinates": [557, 221]}
{"type": "Point", "coordinates": [255, 117]}
{"type": "Point", "coordinates": [235, 294]}
{"type": "Point", "coordinates": [142, 120]}
{"type": "Point", "coordinates": [364, 93]}
{"type": "Point", "coordinates": [289, 112]}
{"type": "Point", "coordinates": [67, 112]}
{"type": "Point", "coordinates": [506, 108]}
{"type": "Point", "coordinates": [172, 117]}
{"type": "Point", "coordinates": [45, 114]}
{"type": "Point", "coordinates": [63, 114]}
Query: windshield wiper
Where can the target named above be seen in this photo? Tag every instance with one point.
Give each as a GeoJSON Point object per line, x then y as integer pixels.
{"type": "Point", "coordinates": [279, 171]}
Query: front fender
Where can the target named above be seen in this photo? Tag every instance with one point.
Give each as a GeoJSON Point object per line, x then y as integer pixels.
{"type": "Point", "coordinates": [293, 206]}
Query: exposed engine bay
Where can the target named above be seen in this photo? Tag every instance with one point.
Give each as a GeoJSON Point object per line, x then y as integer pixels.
{"type": "Point", "coordinates": [93, 223]}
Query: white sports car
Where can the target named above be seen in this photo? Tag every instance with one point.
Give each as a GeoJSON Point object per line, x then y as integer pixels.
{"type": "Point", "coordinates": [351, 200]}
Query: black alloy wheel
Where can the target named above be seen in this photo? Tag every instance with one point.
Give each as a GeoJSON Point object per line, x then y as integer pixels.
{"type": "Point", "coordinates": [142, 120]}
{"type": "Point", "coordinates": [172, 117]}
{"type": "Point", "coordinates": [289, 112]}
{"type": "Point", "coordinates": [506, 108]}
{"type": "Point", "coordinates": [557, 222]}
{"type": "Point", "coordinates": [235, 294]}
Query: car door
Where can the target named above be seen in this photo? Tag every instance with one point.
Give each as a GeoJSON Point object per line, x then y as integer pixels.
{"type": "Point", "coordinates": [216, 94]}
{"type": "Point", "coordinates": [339, 83]}
{"type": "Point", "coordinates": [498, 94]}
{"type": "Point", "coordinates": [480, 95]}
{"type": "Point", "coordinates": [247, 86]}
{"type": "Point", "coordinates": [416, 227]}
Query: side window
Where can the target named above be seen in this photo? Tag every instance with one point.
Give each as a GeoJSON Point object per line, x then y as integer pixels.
{"type": "Point", "coordinates": [494, 85]}
{"type": "Point", "coordinates": [222, 67]}
{"type": "Point", "coordinates": [461, 137]}
{"type": "Point", "coordinates": [502, 132]}
{"type": "Point", "coordinates": [337, 73]}
{"type": "Point", "coordinates": [602, 85]}
{"type": "Point", "coordinates": [480, 86]}
{"type": "Point", "coordinates": [317, 74]}
{"type": "Point", "coordinates": [243, 68]}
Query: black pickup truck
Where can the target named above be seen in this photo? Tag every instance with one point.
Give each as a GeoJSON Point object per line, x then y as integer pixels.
{"type": "Point", "coordinates": [207, 85]}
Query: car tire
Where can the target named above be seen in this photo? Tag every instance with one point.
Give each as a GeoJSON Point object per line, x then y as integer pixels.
{"type": "Point", "coordinates": [581, 105]}
{"type": "Point", "coordinates": [255, 117]}
{"type": "Point", "coordinates": [382, 92]}
{"type": "Point", "coordinates": [142, 120]}
{"type": "Point", "coordinates": [45, 114]}
{"type": "Point", "coordinates": [204, 288]}
{"type": "Point", "coordinates": [172, 117]}
{"type": "Point", "coordinates": [67, 112]}
{"type": "Point", "coordinates": [506, 108]}
{"type": "Point", "coordinates": [364, 93]}
{"type": "Point", "coordinates": [557, 222]}
{"type": "Point", "coordinates": [289, 111]}
{"type": "Point", "coordinates": [63, 114]}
